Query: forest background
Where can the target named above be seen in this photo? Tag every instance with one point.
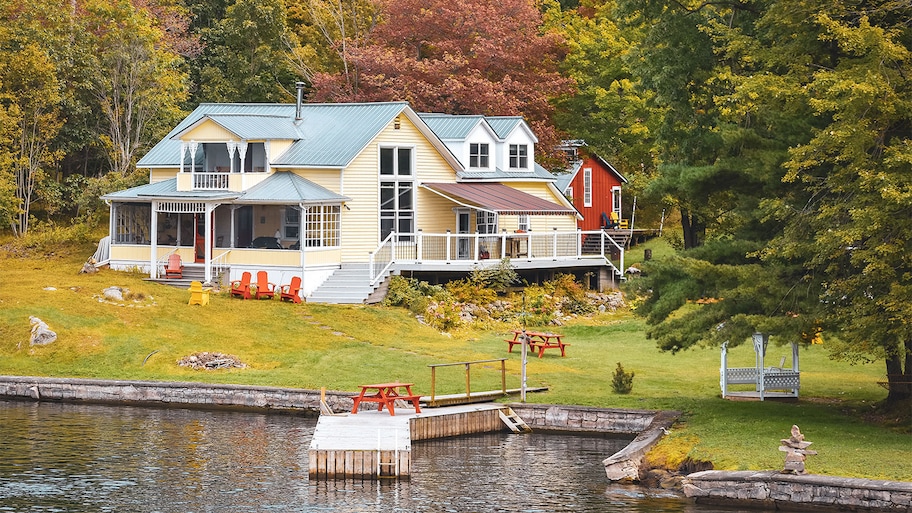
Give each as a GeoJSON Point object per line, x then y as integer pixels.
{"type": "Point", "coordinates": [777, 134]}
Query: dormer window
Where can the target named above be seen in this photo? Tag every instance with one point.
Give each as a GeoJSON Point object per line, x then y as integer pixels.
{"type": "Point", "coordinates": [519, 156]}
{"type": "Point", "coordinates": [478, 155]}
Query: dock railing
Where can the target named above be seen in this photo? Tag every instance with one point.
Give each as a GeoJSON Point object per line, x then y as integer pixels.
{"type": "Point", "coordinates": [468, 397]}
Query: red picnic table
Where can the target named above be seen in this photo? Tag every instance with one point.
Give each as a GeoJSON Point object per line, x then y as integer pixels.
{"type": "Point", "coordinates": [386, 394]}
{"type": "Point", "coordinates": [538, 341]}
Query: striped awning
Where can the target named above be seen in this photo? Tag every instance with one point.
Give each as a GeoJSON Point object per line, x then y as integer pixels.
{"type": "Point", "coordinates": [498, 198]}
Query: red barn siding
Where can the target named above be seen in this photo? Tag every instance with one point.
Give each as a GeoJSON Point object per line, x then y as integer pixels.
{"type": "Point", "coordinates": [603, 179]}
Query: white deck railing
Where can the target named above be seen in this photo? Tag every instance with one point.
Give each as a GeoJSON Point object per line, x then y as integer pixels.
{"type": "Point", "coordinates": [476, 248]}
{"type": "Point", "coordinates": [210, 181]}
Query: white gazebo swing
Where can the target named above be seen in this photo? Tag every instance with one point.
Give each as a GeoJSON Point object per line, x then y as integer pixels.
{"type": "Point", "coordinates": [769, 382]}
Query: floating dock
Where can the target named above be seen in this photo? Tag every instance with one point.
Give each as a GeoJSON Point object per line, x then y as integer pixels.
{"type": "Point", "coordinates": [377, 445]}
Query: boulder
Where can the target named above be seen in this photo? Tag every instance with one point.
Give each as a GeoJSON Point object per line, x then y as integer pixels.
{"type": "Point", "coordinates": [41, 334]}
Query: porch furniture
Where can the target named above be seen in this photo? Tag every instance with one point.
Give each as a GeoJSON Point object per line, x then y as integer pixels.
{"type": "Point", "coordinates": [539, 341]}
{"type": "Point", "coordinates": [174, 269]}
{"type": "Point", "coordinates": [198, 294]}
{"type": "Point", "coordinates": [292, 291]}
{"type": "Point", "coordinates": [264, 288]}
{"type": "Point", "coordinates": [266, 243]}
{"type": "Point", "coordinates": [241, 288]}
{"type": "Point", "coordinates": [386, 395]}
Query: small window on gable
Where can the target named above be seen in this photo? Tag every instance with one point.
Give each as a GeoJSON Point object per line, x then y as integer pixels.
{"type": "Point", "coordinates": [519, 156]}
{"type": "Point", "coordinates": [478, 155]}
{"type": "Point", "coordinates": [587, 187]}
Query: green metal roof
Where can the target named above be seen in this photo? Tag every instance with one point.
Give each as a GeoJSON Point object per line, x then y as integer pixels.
{"type": "Point", "coordinates": [451, 127]}
{"type": "Point", "coordinates": [166, 189]}
{"type": "Point", "coordinates": [327, 135]}
{"type": "Point", "coordinates": [281, 187]}
{"type": "Point", "coordinates": [289, 188]}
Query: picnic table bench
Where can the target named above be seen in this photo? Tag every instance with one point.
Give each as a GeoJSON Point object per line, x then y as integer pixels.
{"type": "Point", "coordinates": [386, 395]}
{"type": "Point", "coordinates": [539, 341]}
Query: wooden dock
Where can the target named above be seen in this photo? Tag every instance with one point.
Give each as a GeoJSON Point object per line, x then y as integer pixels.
{"type": "Point", "coordinates": [377, 445]}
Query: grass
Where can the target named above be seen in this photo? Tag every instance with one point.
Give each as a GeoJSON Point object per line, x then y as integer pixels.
{"type": "Point", "coordinates": [340, 347]}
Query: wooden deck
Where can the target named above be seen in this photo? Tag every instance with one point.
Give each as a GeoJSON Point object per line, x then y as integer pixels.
{"type": "Point", "coordinates": [373, 444]}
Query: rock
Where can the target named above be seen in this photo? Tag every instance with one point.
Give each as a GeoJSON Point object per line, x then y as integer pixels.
{"type": "Point", "coordinates": [88, 268]}
{"type": "Point", "coordinates": [113, 293]}
{"type": "Point", "coordinates": [41, 334]}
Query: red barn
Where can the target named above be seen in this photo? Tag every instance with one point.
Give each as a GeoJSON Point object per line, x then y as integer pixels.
{"type": "Point", "coordinates": [594, 187]}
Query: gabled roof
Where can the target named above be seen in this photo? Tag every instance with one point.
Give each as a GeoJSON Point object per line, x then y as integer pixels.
{"type": "Point", "coordinates": [327, 135]}
{"type": "Point", "coordinates": [563, 180]}
{"type": "Point", "coordinates": [289, 188]}
{"type": "Point", "coordinates": [498, 198]}
{"type": "Point", "coordinates": [505, 125]}
{"type": "Point", "coordinates": [281, 187]}
{"type": "Point", "coordinates": [451, 127]}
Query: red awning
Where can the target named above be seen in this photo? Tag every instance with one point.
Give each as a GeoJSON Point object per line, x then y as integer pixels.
{"type": "Point", "coordinates": [497, 197]}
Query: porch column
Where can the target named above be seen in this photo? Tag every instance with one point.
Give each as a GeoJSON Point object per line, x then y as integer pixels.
{"type": "Point", "coordinates": [301, 246]}
{"type": "Point", "coordinates": [153, 242]}
{"type": "Point", "coordinates": [183, 151]}
{"type": "Point", "coordinates": [112, 222]}
{"type": "Point", "coordinates": [232, 235]}
{"type": "Point", "coordinates": [208, 242]}
{"type": "Point", "coordinates": [231, 147]}
{"type": "Point", "coordinates": [760, 342]}
{"type": "Point", "coordinates": [242, 153]}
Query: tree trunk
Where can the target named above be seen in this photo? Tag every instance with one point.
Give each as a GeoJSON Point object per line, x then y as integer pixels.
{"type": "Point", "coordinates": [899, 376]}
{"type": "Point", "coordinates": [693, 229]}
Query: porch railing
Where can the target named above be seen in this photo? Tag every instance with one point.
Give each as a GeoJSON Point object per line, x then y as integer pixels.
{"type": "Point", "coordinates": [477, 247]}
{"type": "Point", "coordinates": [220, 264]}
{"type": "Point", "coordinates": [210, 181]}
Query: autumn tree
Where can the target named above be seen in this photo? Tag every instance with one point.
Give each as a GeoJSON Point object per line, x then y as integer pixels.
{"type": "Point", "coordinates": [458, 57]}
{"type": "Point", "coordinates": [326, 30]}
{"type": "Point", "coordinates": [138, 84]}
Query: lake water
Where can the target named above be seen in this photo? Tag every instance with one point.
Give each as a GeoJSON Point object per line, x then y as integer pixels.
{"type": "Point", "coordinates": [80, 458]}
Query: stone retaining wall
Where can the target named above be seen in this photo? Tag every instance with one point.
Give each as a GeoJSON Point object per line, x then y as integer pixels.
{"type": "Point", "coordinates": [170, 393]}
{"type": "Point", "coordinates": [773, 489]}
{"type": "Point", "coordinates": [583, 419]}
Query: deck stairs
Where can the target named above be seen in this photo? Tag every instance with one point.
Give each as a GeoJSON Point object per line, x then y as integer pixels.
{"type": "Point", "coordinates": [514, 421]}
{"type": "Point", "coordinates": [190, 272]}
{"type": "Point", "coordinates": [348, 285]}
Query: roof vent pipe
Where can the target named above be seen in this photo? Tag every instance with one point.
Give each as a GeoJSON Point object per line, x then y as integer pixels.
{"type": "Point", "coordinates": [300, 100]}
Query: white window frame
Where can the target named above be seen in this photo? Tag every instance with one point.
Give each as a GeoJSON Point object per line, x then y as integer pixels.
{"type": "Point", "coordinates": [322, 226]}
{"type": "Point", "coordinates": [518, 157]}
{"type": "Point", "coordinates": [402, 184]}
{"type": "Point", "coordinates": [479, 155]}
{"type": "Point", "coordinates": [524, 223]}
{"type": "Point", "coordinates": [587, 187]}
{"type": "Point", "coordinates": [486, 222]}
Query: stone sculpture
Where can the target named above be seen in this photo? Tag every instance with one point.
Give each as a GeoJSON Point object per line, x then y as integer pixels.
{"type": "Point", "coordinates": [796, 451]}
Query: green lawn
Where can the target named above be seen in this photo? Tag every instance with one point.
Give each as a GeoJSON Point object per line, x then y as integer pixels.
{"type": "Point", "coordinates": [340, 347]}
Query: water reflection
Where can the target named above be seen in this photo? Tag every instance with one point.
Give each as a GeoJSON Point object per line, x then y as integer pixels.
{"type": "Point", "coordinates": [89, 458]}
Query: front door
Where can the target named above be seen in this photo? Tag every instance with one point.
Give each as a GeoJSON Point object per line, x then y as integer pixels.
{"type": "Point", "coordinates": [463, 244]}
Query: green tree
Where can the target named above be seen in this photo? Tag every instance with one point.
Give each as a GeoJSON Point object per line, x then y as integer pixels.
{"type": "Point", "coordinates": [138, 84]}
{"type": "Point", "coordinates": [826, 110]}
{"type": "Point", "coordinates": [31, 95]}
{"type": "Point", "coordinates": [246, 56]}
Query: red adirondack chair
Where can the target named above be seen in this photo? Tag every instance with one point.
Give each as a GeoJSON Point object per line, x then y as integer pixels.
{"type": "Point", "coordinates": [264, 288]}
{"type": "Point", "coordinates": [292, 291]}
{"type": "Point", "coordinates": [241, 288]}
{"type": "Point", "coordinates": [174, 269]}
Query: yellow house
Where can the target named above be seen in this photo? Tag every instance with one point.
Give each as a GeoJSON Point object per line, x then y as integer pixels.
{"type": "Point", "coordinates": [343, 196]}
